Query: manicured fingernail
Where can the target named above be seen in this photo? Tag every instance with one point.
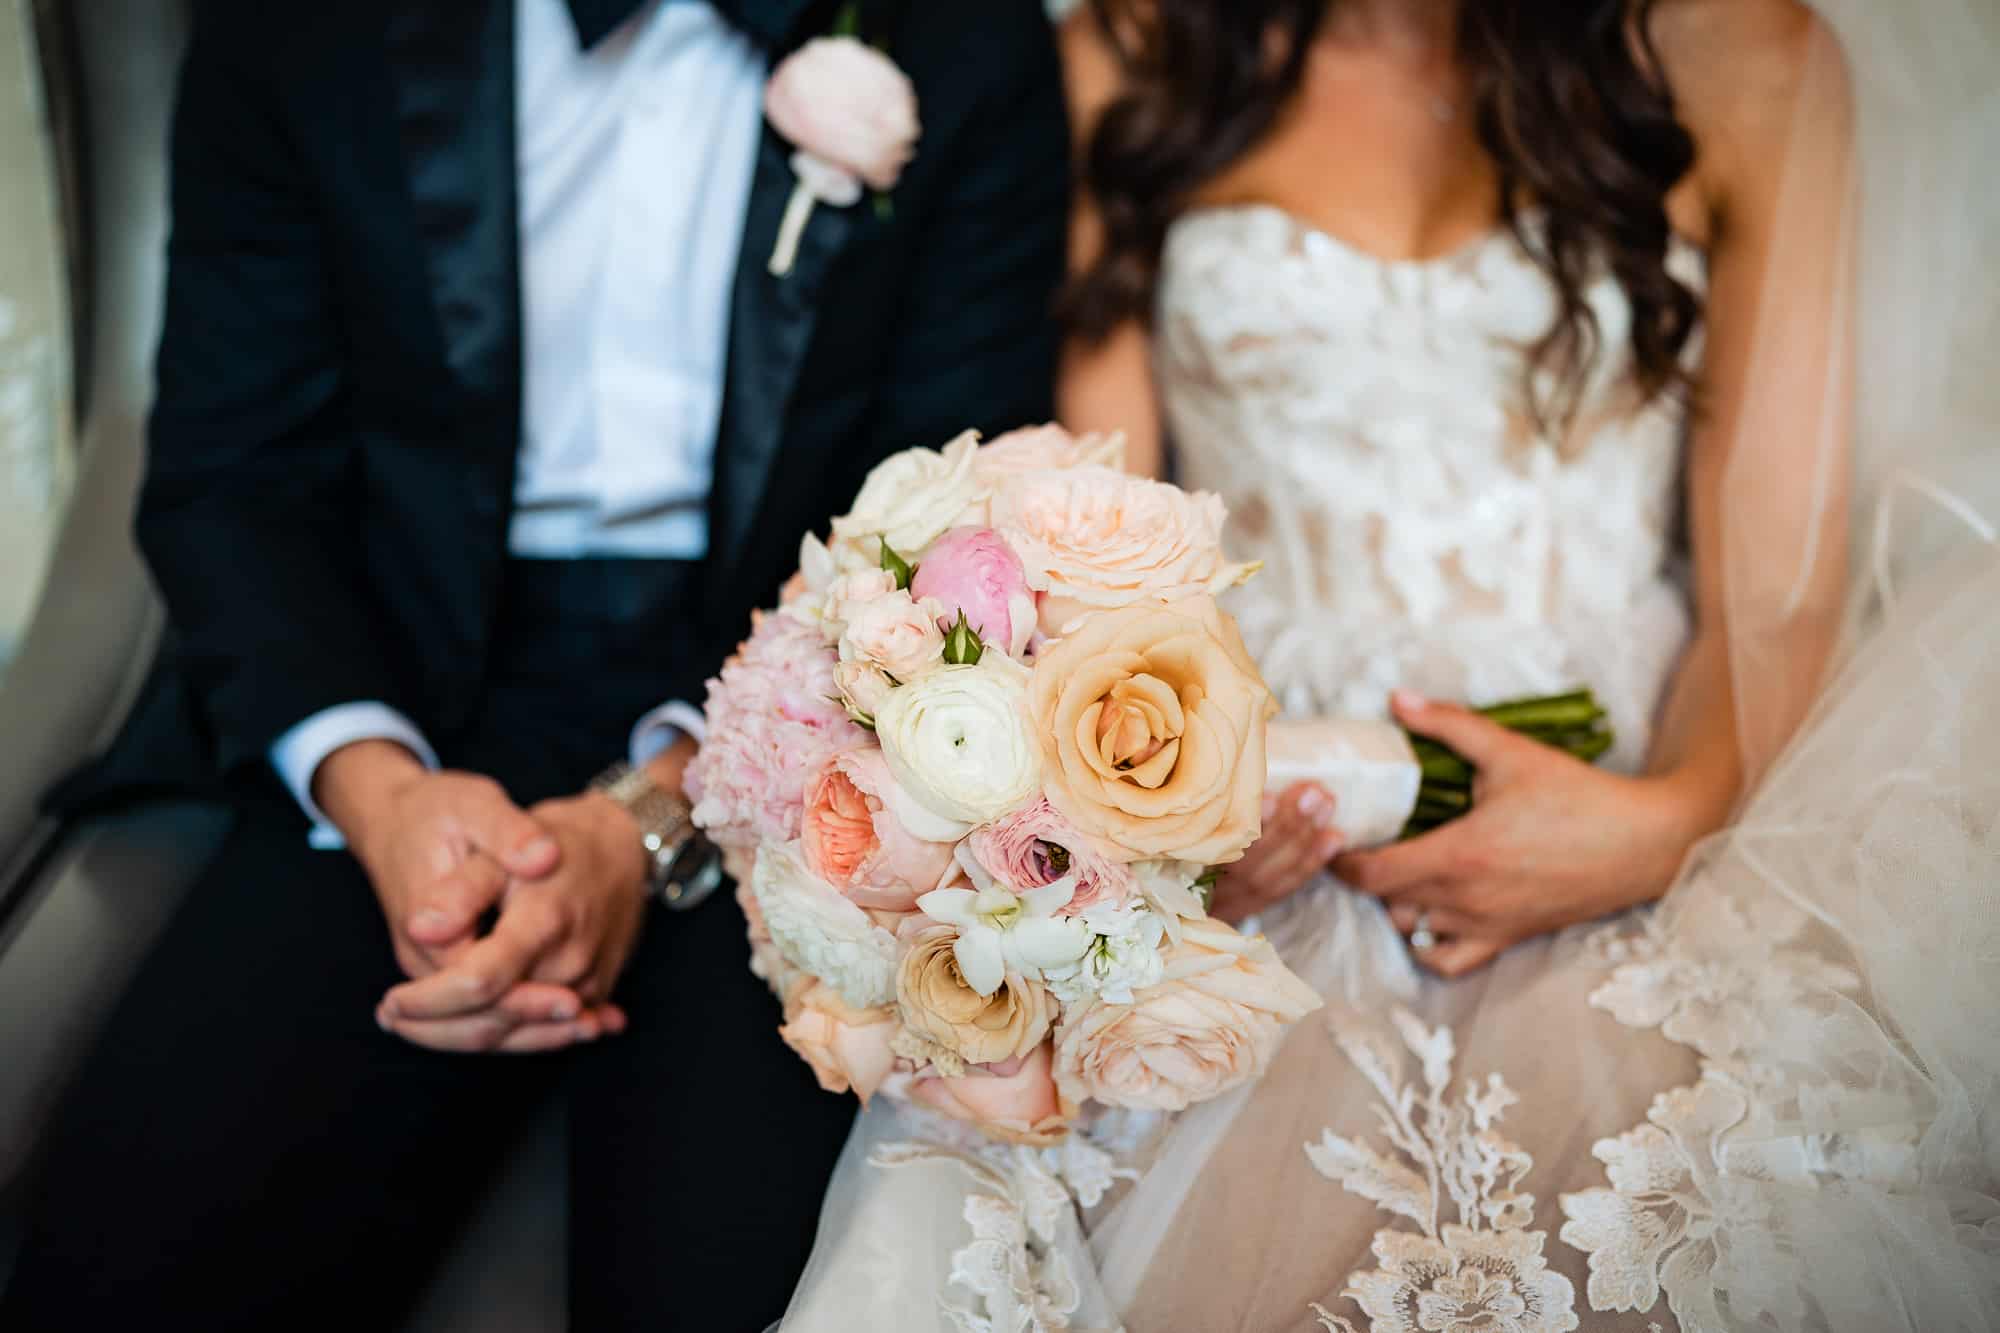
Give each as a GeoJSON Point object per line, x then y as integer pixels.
{"type": "Point", "coordinates": [1313, 801]}
{"type": "Point", "coordinates": [429, 919]}
{"type": "Point", "coordinates": [1411, 701]}
{"type": "Point", "coordinates": [382, 1019]}
{"type": "Point", "coordinates": [539, 847]}
{"type": "Point", "coordinates": [563, 1011]}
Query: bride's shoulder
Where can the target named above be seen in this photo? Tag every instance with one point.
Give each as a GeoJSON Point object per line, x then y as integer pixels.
{"type": "Point", "coordinates": [1094, 63]}
{"type": "Point", "coordinates": [1738, 71]}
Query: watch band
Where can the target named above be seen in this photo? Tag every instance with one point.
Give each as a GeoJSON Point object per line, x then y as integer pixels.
{"type": "Point", "coordinates": [683, 867]}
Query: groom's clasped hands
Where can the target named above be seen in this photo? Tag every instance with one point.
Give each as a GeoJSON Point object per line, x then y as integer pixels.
{"type": "Point", "coordinates": [445, 851]}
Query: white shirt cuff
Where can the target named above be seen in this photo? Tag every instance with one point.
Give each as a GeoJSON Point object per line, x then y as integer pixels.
{"type": "Point", "coordinates": [298, 754]}
{"type": "Point", "coordinates": [660, 728]}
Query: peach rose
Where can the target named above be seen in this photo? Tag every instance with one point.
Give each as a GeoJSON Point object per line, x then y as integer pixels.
{"type": "Point", "coordinates": [1017, 1102]}
{"type": "Point", "coordinates": [895, 633]}
{"type": "Point", "coordinates": [1212, 1024]}
{"type": "Point", "coordinates": [851, 838]}
{"type": "Point", "coordinates": [846, 1047]}
{"type": "Point", "coordinates": [1040, 448]}
{"type": "Point", "coordinates": [940, 1006]}
{"type": "Point", "coordinates": [1092, 538]}
{"type": "Point", "coordinates": [1151, 722]}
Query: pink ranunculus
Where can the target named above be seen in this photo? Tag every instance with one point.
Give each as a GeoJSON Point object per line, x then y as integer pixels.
{"type": "Point", "coordinates": [1020, 1105]}
{"type": "Point", "coordinates": [846, 104]}
{"type": "Point", "coordinates": [773, 714]}
{"type": "Point", "coordinates": [1039, 448]}
{"type": "Point", "coordinates": [975, 571]}
{"type": "Point", "coordinates": [1035, 846]}
{"type": "Point", "coordinates": [851, 838]}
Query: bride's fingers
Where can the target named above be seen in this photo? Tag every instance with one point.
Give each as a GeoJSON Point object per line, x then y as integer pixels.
{"type": "Point", "coordinates": [1444, 923]}
{"type": "Point", "coordinates": [1456, 957]}
{"type": "Point", "coordinates": [1391, 872]}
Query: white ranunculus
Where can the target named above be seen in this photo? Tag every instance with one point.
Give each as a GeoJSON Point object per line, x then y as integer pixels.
{"type": "Point", "coordinates": [958, 740]}
{"type": "Point", "coordinates": [911, 498]}
{"type": "Point", "coordinates": [819, 931]}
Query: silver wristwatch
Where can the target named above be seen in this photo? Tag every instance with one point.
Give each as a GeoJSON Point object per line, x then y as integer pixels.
{"type": "Point", "coordinates": [683, 867]}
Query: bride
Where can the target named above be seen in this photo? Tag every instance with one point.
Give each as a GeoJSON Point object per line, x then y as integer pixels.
{"type": "Point", "coordinates": [1536, 345]}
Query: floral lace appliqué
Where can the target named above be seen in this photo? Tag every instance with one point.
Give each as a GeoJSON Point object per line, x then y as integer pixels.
{"type": "Point", "coordinates": [1023, 1201]}
{"type": "Point", "coordinates": [1481, 1273]}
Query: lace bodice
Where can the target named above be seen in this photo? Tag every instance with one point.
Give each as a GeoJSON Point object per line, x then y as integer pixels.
{"type": "Point", "coordinates": [1367, 422]}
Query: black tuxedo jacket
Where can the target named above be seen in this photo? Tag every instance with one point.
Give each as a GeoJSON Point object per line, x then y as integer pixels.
{"type": "Point", "coordinates": [333, 444]}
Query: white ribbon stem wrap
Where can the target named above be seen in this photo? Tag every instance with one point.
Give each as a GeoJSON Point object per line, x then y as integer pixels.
{"type": "Point", "coordinates": [1368, 766]}
{"type": "Point", "coordinates": [798, 211]}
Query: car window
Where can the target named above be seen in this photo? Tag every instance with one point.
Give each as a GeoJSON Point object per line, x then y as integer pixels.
{"type": "Point", "coordinates": [37, 453]}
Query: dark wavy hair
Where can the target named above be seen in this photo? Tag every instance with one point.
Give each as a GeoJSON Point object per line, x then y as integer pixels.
{"type": "Point", "coordinates": [1576, 120]}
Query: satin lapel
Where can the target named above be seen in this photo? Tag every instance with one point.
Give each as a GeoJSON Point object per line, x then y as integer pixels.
{"type": "Point", "coordinates": [770, 329]}
{"type": "Point", "coordinates": [454, 70]}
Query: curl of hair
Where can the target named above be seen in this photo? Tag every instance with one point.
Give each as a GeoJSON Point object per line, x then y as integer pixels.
{"type": "Point", "coordinates": [1567, 103]}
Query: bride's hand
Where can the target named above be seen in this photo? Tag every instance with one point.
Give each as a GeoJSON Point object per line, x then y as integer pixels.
{"type": "Point", "coordinates": [1550, 841]}
{"type": "Point", "coordinates": [1298, 840]}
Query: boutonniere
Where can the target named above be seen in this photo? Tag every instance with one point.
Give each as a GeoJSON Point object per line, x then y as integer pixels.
{"type": "Point", "coordinates": [851, 117]}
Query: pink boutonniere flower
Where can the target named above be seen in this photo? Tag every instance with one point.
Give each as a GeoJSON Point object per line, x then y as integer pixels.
{"type": "Point", "coordinates": [852, 117]}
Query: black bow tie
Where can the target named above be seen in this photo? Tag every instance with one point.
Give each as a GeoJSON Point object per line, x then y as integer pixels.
{"type": "Point", "coordinates": [767, 21]}
{"type": "Point", "coordinates": [595, 19]}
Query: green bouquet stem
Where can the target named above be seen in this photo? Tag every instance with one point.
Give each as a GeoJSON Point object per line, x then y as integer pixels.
{"type": "Point", "coordinates": [1573, 723]}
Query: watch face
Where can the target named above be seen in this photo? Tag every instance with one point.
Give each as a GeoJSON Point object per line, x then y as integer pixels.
{"type": "Point", "coordinates": [694, 875]}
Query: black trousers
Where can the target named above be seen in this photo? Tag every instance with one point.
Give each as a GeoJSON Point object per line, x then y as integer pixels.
{"type": "Point", "coordinates": [246, 1150]}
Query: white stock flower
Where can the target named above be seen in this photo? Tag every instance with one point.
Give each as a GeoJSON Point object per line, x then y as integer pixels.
{"type": "Point", "coordinates": [957, 739]}
{"type": "Point", "coordinates": [1124, 955]}
{"type": "Point", "coordinates": [1002, 931]}
{"type": "Point", "coordinates": [820, 932]}
{"type": "Point", "coordinates": [912, 497]}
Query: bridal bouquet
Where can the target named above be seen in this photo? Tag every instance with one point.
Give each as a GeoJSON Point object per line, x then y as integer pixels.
{"type": "Point", "coordinates": [972, 776]}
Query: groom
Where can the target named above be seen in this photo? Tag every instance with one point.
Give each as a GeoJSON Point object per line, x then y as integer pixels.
{"type": "Point", "coordinates": [482, 424]}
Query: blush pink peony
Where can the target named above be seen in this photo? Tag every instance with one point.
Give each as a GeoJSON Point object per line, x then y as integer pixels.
{"type": "Point", "coordinates": [851, 838]}
{"type": "Point", "coordinates": [773, 714]}
{"type": "Point", "coordinates": [974, 572]}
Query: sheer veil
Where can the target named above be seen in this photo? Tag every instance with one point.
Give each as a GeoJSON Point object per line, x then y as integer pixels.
{"type": "Point", "coordinates": [1831, 961]}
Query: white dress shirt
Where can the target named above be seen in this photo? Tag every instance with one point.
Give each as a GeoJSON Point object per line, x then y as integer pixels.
{"type": "Point", "coordinates": [633, 161]}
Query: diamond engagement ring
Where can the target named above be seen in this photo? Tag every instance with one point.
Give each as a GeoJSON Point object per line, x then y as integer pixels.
{"type": "Point", "coordinates": [1421, 937]}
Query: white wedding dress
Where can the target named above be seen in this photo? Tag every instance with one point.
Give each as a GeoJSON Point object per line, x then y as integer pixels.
{"type": "Point", "coordinates": [1771, 1102]}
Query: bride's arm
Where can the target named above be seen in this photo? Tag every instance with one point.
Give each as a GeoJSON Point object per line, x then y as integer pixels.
{"type": "Point", "coordinates": [1104, 384]}
{"type": "Point", "coordinates": [1767, 479]}
{"type": "Point", "coordinates": [1550, 841]}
